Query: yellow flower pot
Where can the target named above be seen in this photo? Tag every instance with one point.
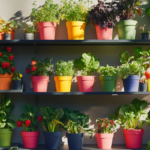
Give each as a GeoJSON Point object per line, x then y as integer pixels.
{"type": "Point", "coordinates": [148, 85]}
{"type": "Point", "coordinates": [76, 30]}
{"type": "Point", "coordinates": [63, 83]}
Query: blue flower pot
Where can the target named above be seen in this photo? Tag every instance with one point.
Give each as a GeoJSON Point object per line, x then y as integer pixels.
{"type": "Point", "coordinates": [52, 139]}
{"type": "Point", "coordinates": [75, 141]}
{"type": "Point", "coordinates": [131, 84]}
{"type": "Point", "coordinates": [145, 36]}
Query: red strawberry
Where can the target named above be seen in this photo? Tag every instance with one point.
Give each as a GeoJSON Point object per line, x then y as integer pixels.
{"type": "Point", "coordinates": [4, 64]}
{"type": "Point", "coordinates": [19, 124]}
{"type": "Point", "coordinates": [33, 68]}
{"type": "Point", "coordinates": [28, 70]}
{"type": "Point", "coordinates": [11, 57]}
{"type": "Point", "coordinates": [28, 122]}
{"type": "Point", "coordinates": [33, 62]}
{"type": "Point", "coordinates": [8, 49]}
{"type": "Point", "coordinates": [40, 118]}
{"type": "Point", "coordinates": [7, 65]}
{"type": "Point", "coordinates": [13, 69]}
{"type": "Point", "coordinates": [1, 54]}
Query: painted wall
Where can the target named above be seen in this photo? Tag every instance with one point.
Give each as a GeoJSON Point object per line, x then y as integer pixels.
{"type": "Point", "coordinates": [95, 106]}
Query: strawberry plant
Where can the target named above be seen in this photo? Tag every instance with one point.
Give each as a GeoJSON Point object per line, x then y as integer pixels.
{"type": "Point", "coordinates": [28, 119]}
{"type": "Point", "coordinates": [17, 75]}
{"type": "Point", "coordinates": [6, 120]}
{"type": "Point", "coordinates": [6, 64]}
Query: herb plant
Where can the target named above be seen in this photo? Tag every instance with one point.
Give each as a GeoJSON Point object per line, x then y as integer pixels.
{"type": "Point", "coordinates": [28, 118]}
{"type": "Point", "coordinates": [6, 120]}
{"type": "Point", "coordinates": [105, 125]}
{"type": "Point", "coordinates": [13, 25]}
{"type": "Point", "coordinates": [129, 116]}
{"type": "Point", "coordinates": [65, 68]}
{"type": "Point", "coordinates": [30, 29]}
{"type": "Point", "coordinates": [143, 81]}
{"type": "Point", "coordinates": [51, 119]}
{"type": "Point", "coordinates": [86, 64]}
{"type": "Point", "coordinates": [2, 23]}
{"type": "Point", "coordinates": [143, 30]}
{"type": "Point", "coordinates": [17, 75]}
{"type": "Point", "coordinates": [107, 71]}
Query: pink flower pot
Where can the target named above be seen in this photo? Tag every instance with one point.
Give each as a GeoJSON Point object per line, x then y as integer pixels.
{"type": "Point", "coordinates": [47, 30]}
{"type": "Point", "coordinates": [85, 83]}
{"type": "Point", "coordinates": [133, 138]}
{"type": "Point", "coordinates": [104, 34]}
{"type": "Point", "coordinates": [104, 141]}
{"type": "Point", "coordinates": [40, 83]}
{"type": "Point", "coordinates": [30, 139]}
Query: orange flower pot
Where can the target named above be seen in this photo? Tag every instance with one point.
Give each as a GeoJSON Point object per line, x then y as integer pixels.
{"type": "Point", "coordinates": [5, 81]}
{"type": "Point", "coordinates": [1, 35]}
{"type": "Point", "coordinates": [12, 35]}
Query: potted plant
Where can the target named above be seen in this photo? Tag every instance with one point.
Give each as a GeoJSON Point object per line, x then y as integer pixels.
{"type": "Point", "coordinates": [40, 73]}
{"type": "Point", "coordinates": [143, 85]}
{"type": "Point", "coordinates": [108, 78]}
{"type": "Point", "coordinates": [86, 64]}
{"type": "Point", "coordinates": [6, 68]}
{"type": "Point", "coordinates": [2, 23]}
{"type": "Point", "coordinates": [105, 133]}
{"type": "Point", "coordinates": [64, 71]}
{"type": "Point", "coordinates": [46, 18]}
{"type": "Point", "coordinates": [127, 10]}
{"type": "Point", "coordinates": [75, 13]}
{"type": "Point", "coordinates": [17, 80]}
{"type": "Point", "coordinates": [29, 121]}
{"type": "Point", "coordinates": [30, 32]}
{"type": "Point", "coordinates": [144, 33]}
{"type": "Point", "coordinates": [104, 17]}
{"type": "Point", "coordinates": [7, 32]}
{"type": "Point", "coordinates": [129, 117]}
{"type": "Point", "coordinates": [7, 124]}
{"type": "Point", "coordinates": [76, 125]}
{"type": "Point", "coordinates": [51, 125]}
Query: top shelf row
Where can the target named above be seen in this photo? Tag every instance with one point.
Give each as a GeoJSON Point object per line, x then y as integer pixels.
{"type": "Point", "coordinates": [71, 42]}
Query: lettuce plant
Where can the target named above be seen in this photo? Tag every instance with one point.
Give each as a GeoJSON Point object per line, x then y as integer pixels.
{"type": "Point", "coordinates": [86, 64]}
{"type": "Point", "coordinates": [65, 68]}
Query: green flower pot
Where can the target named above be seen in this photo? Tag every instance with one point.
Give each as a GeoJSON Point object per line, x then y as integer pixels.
{"type": "Point", "coordinates": [108, 83]}
{"type": "Point", "coordinates": [127, 29]}
{"type": "Point", "coordinates": [5, 137]}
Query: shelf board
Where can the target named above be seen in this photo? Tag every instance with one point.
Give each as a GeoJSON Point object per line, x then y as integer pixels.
{"type": "Point", "coordinates": [18, 42]}
{"type": "Point", "coordinates": [14, 145]}
{"type": "Point", "coordinates": [10, 91]}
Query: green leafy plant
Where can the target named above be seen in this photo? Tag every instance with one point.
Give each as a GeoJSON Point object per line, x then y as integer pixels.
{"type": "Point", "coordinates": [11, 26]}
{"type": "Point", "coordinates": [28, 118]}
{"type": "Point", "coordinates": [30, 29]}
{"type": "Point", "coordinates": [6, 120]}
{"type": "Point", "coordinates": [51, 119]}
{"type": "Point", "coordinates": [143, 30]}
{"type": "Point", "coordinates": [129, 116]}
{"type": "Point", "coordinates": [148, 146]}
{"type": "Point", "coordinates": [2, 23]}
{"type": "Point", "coordinates": [72, 10]}
{"type": "Point", "coordinates": [107, 71]}
{"type": "Point", "coordinates": [17, 75]}
{"type": "Point", "coordinates": [143, 81]}
{"type": "Point", "coordinates": [86, 64]}
{"type": "Point", "coordinates": [148, 11]}
{"type": "Point", "coordinates": [105, 125]}
{"type": "Point", "coordinates": [65, 68]}
{"type": "Point", "coordinates": [49, 12]}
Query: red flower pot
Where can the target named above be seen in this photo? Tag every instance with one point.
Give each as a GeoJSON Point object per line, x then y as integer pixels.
{"type": "Point", "coordinates": [133, 138]}
{"type": "Point", "coordinates": [40, 83]}
{"type": "Point", "coordinates": [104, 34]}
{"type": "Point", "coordinates": [104, 141]}
{"type": "Point", "coordinates": [30, 139]}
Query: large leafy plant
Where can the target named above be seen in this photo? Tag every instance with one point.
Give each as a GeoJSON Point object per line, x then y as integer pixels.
{"type": "Point", "coordinates": [129, 116]}
{"type": "Point", "coordinates": [107, 71]}
{"type": "Point", "coordinates": [104, 14]}
{"type": "Point", "coordinates": [28, 118]}
{"type": "Point", "coordinates": [51, 119]}
{"type": "Point", "coordinates": [86, 64]}
{"type": "Point", "coordinates": [6, 120]}
{"type": "Point", "coordinates": [65, 68]}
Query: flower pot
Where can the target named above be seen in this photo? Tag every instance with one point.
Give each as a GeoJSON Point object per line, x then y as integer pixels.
{"type": "Point", "coordinates": [40, 83]}
{"type": "Point", "coordinates": [1, 35]}
{"type": "Point", "coordinates": [30, 139]}
{"type": "Point", "coordinates": [5, 137]}
{"type": "Point", "coordinates": [148, 84]}
{"type": "Point", "coordinates": [131, 84]}
{"type": "Point", "coordinates": [145, 36]}
{"type": "Point", "coordinates": [75, 30]}
{"type": "Point", "coordinates": [63, 83]}
{"type": "Point", "coordinates": [29, 36]}
{"type": "Point", "coordinates": [5, 81]}
{"type": "Point", "coordinates": [85, 83]}
{"type": "Point", "coordinates": [12, 35]}
{"type": "Point", "coordinates": [133, 138]}
{"type": "Point", "coordinates": [104, 141]}
{"type": "Point", "coordinates": [108, 83]}
{"type": "Point", "coordinates": [143, 87]}
{"type": "Point", "coordinates": [17, 84]}
{"type": "Point", "coordinates": [52, 139]}
{"type": "Point", "coordinates": [75, 141]}
{"type": "Point", "coordinates": [104, 34]}
{"type": "Point", "coordinates": [7, 36]}
{"type": "Point", "coordinates": [127, 29]}
{"type": "Point", "coordinates": [47, 30]}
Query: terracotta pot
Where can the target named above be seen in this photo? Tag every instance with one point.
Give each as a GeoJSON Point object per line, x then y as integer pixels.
{"type": "Point", "coordinates": [1, 35]}
{"type": "Point", "coordinates": [12, 35]}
